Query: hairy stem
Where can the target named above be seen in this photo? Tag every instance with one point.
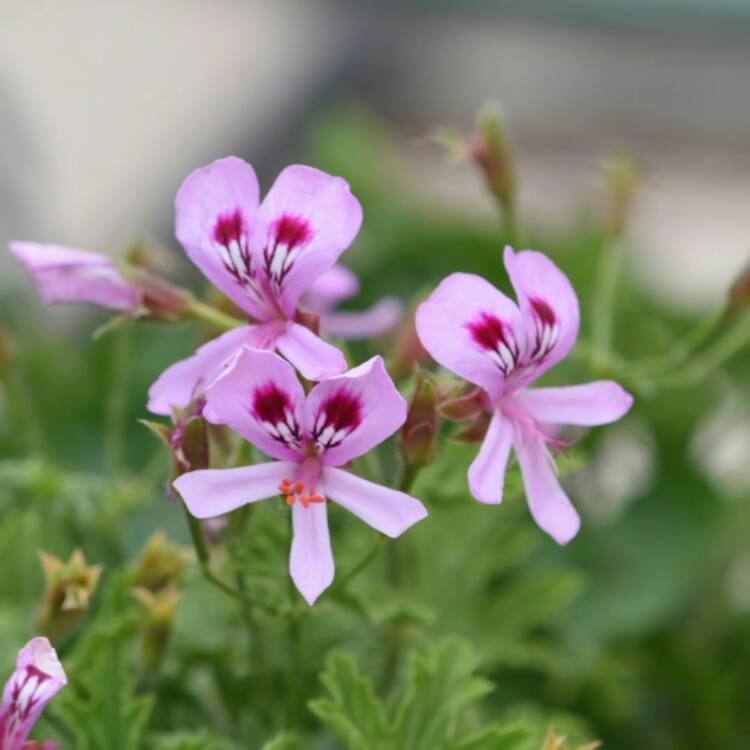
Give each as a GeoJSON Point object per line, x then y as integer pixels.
{"type": "Point", "coordinates": [196, 310]}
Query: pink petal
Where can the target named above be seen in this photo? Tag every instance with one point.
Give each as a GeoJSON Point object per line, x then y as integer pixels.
{"type": "Point", "coordinates": [331, 287]}
{"type": "Point", "coordinates": [549, 505]}
{"type": "Point", "coordinates": [309, 219]}
{"type": "Point", "coordinates": [260, 398]}
{"type": "Point", "coordinates": [542, 287]}
{"type": "Point", "coordinates": [487, 471]}
{"type": "Point", "coordinates": [311, 558]}
{"type": "Point", "coordinates": [216, 220]}
{"type": "Point", "coordinates": [63, 274]}
{"type": "Point", "coordinates": [382, 317]}
{"type": "Point", "coordinates": [447, 320]}
{"type": "Point", "coordinates": [181, 383]}
{"type": "Point", "coordinates": [590, 404]}
{"type": "Point", "coordinates": [313, 357]}
{"type": "Point", "coordinates": [348, 415]}
{"type": "Point", "coordinates": [212, 492]}
{"type": "Point", "coordinates": [389, 511]}
{"type": "Point", "coordinates": [39, 676]}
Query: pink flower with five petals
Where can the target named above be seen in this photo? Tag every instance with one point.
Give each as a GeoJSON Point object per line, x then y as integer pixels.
{"type": "Point", "coordinates": [39, 676]}
{"type": "Point", "coordinates": [263, 256]}
{"type": "Point", "coordinates": [471, 328]}
{"type": "Point", "coordinates": [260, 397]}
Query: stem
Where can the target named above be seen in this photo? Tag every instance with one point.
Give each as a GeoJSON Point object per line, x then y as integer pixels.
{"type": "Point", "coordinates": [604, 301]}
{"type": "Point", "coordinates": [510, 222]}
{"type": "Point", "coordinates": [196, 310]}
{"type": "Point", "coordinates": [24, 414]}
{"type": "Point", "coordinates": [117, 401]}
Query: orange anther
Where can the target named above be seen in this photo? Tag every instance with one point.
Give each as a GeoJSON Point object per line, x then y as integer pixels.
{"type": "Point", "coordinates": [285, 485]}
{"type": "Point", "coordinates": [290, 499]}
{"type": "Point", "coordinates": [316, 499]}
{"type": "Point", "coordinates": [305, 500]}
{"type": "Point", "coordinates": [299, 487]}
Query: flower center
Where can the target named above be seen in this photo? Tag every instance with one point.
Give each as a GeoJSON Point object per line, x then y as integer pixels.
{"type": "Point", "coordinates": [303, 488]}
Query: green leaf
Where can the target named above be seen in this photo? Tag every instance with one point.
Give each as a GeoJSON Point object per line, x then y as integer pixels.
{"type": "Point", "coordinates": [513, 737]}
{"type": "Point", "coordinates": [193, 741]}
{"type": "Point", "coordinates": [100, 705]}
{"type": "Point", "coordinates": [284, 741]}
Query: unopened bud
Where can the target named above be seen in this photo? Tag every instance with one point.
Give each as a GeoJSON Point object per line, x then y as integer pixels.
{"type": "Point", "coordinates": [157, 624]}
{"type": "Point", "coordinates": [468, 406]}
{"type": "Point", "coordinates": [474, 431]}
{"type": "Point", "coordinates": [193, 447]}
{"type": "Point", "coordinates": [407, 349]}
{"type": "Point", "coordinates": [419, 433]}
{"type": "Point", "coordinates": [310, 320]}
{"type": "Point", "coordinates": [161, 563]}
{"type": "Point", "coordinates": [493, 153]}
{"type": "Point", "coordinates": [69, 587]}
{"type": "Point", "coordinates": [623, 178]}
{"type": "Point", "coordinates": [162, 300]}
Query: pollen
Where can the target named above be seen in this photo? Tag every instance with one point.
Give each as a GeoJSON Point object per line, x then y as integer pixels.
{"type": "Point", "coordinates": [294, 491]}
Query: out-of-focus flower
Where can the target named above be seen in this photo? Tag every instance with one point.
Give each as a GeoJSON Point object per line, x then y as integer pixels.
{"type": "Point", "coordinates": [341, 418]}
{"type": "Point", "coordinates": [263, 256]}
{"type": "Point", "coordinates": [64, 274]}
{"type": "Point", "coordinates": [157, 624]}
{"type": "Point", "coordinates": [473, 329]}
{"type": "Point", "coordinates": [161, 563]}
{"type": "Point", "coordinates": [39, 676]}
{"type": "Point", "coordinates": [334, 286]}
{"type": "Point", "coordinates": [69, 588]}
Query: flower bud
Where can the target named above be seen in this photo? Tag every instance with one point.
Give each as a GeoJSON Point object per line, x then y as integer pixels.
{"type": "Point", "coordinates": [419, 433]}
{"type": "Point", "coordinates": [468, 406]}
{"type": "Point", "coordinates": [308, 319]}
{"type": "Point", "coordinates": [68, 590]}
{"type": "Point", "coordinates": [622, 178]}
{"type": "Point", "coordinates": [157, 624]}
{"type": "Point", "coordinates": [407, 349]}
{"type": "Point", "coordinates": [493, 153]}
{"type": "Point", "coordinates": [474, 431]}
{"type": "Point", "coordinates": [161, 563]}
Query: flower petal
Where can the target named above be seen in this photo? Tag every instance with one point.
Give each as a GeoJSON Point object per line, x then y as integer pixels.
{"type": "Point", "coordinates": [389, 511]}
{"type": "Point", "coordinates": [314, 358]}
{"type": "Point", "coordinates": [549, 505]}
{"type": "Point", "coordinates": [259, 397]}
{"type": "Point", "coordinates": [549, 306]}
{"type": "Point", "coordinates": [38, 677]}
{"type": "Point", "coordinates": [311, 558]}
{"type": "Point", "coordinates": [468, 327]}
{"type": "Point", "coordinates": [216, 220]}
{"type": "Point", "coordinates": [382, 317]}
{"type": "Point", "coordinates": [589, 404]}
{"type": "Point", "coordinates": [487, 471]}
{"type": "Point", "coordinates": [184, 381]}
{"type": "Point", "coordinates": [64, 274]}
{"type": "Point", "coordinates": [331, 287]}
{"type": "Point", "coordinates": [308, 219]}
{"type": "Point", "coordinates": [348, 415]}
{"type": "Point", "coordinates": [212, 492]}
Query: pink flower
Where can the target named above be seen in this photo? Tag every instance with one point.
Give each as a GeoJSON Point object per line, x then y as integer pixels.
{"type": "Point", "coordinates": [63, 274]}
{"type": "Point", "coordinates": [263, 256]}
{"type": "Point", "coordinates": [337, 284]}
{"type": "Point", "coordinates": [474, 330]}
{"type": "Point", "coordinates": [39, 676]}
{"type": "Point", "coordinates": [343, 417]}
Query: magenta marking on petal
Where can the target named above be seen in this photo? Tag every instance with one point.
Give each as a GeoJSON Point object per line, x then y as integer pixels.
{"type": "Point", "coordinates": [546, 330]}
{"type": "Point", "coordinates": [229, 227]}
{"type": "Point", "coordinates": [272, 407]}
{"type": "Point", "coordinates": [288, 236]}
{"type": "Point", "coordinates": [496, 338]}
{"type": "Point", "coordinates": [338, 416]}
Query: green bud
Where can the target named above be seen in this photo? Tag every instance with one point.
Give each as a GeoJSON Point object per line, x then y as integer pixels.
{"type": "Point", "coordinates": [494, 154]}
{"type": "Point", "coordinates": [623, 178]}
{"type": "Point", "coordinates": [157, 624]}
{"type": "Point", "coordinates": [161, 563]}
{"type": "Point", "coordinates": [419, 433]}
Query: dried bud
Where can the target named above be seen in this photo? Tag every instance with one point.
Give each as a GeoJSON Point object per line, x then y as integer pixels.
{"type": "Point", "coordinates": [419, 433]}
{"type": "Point", "coordinates": [162, 300]}
{"type": "Point", "coordinates": [68, 590]}
{"type": "Point", "coordinates": [407, 349]}
{"type": "Point", "coordinates": [468, 406]}
{"type": "Point", "coordinates": [493, 153]}
{"type": "Point", "coordinates": [161, 563]}
{"type": "Point", "coordinates": [475, 431]}
{"type": "Point", "coordinates": [156, 627]}
{"type": "Point", "coordinates": [623, 178]}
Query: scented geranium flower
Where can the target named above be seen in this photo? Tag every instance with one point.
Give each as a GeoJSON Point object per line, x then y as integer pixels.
{"type": "Point", "coordinates": [338, 284]}
{"type": "Point", "coordinates": [39, 676]}
{"type": "Point", "coordinates": [343, 417]}
{"type": "Point", "coordinates": [64, 274]}
{"type": "Point", "coordinates": [474, 330]}
{"type": "Point", "coordinates": [263, 256]}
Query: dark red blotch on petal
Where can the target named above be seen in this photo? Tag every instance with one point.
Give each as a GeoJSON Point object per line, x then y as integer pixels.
{"type": "Point", "coordinates": [488, 331]}
{"type": "Point", "coordinates": [342, 410]}
{"type": "Point", "coordinates": [291, 230]}
{"type": "Point", "coordinates": [543, 311]}
{"type": "Point", "coordinates": [270, 403]}
{"type": "Point", "coordinates": [229, 227]}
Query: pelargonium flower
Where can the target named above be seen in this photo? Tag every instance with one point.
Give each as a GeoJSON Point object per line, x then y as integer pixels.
{"type": "Point", "coordinates": [39, 676]}
{"type": "Point", "coordinates": [263, 256]}
{"type": "Point", "coordinates": [337, 284]}
{"type": "Point", "coordinates": [473, 329]}
{"type": "Point", "coordinates": [64, 274]}
{"type": "Point", "coordinates": [260, 397]}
